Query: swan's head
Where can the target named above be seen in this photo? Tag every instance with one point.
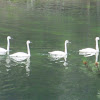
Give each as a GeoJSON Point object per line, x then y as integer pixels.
{"type": "Point", "coordinates": [97, 38]}
{"type": "Point", "coordinates": [8, 37]}
{"type": "Point", "coordinates": [67, 41]}
{"type": "Point", "coordinates": [28, 42]}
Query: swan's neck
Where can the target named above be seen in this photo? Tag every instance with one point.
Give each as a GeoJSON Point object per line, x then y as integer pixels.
{"type": "Point", "coordinates": [28, 49]}
{"type": "Point", "coordinates": [65, 48]}
{"type": "Point", "coordinates": [8, 46]}
{"type": "Point", "coordinates": [97, 48]}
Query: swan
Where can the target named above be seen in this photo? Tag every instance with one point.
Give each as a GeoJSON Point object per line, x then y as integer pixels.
{"type": "Point", "coordinates": [4, 51]}
{"type": "Point", "coordinates": [19, 56]}
{"type": "Point", "coordinates": [60, 54]}
{"type": "Point", "coordinates": [90, 50]}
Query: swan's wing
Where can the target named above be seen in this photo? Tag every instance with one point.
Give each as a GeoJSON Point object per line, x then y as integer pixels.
{"type": "Point", "coordinates": [56, 53]}
{"type": "Point", "coordinates": [3, 50]}
{"type": "Point", "coordinates": [87, 50]}
{"type": "Point", "coordinates": [18, 54]}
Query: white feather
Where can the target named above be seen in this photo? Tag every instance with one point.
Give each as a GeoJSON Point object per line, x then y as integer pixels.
{"type": "Point", "coordinates": [20, 56]}
{"type": "Point", "coordinates": [59, 53]}
{"type": "Point", "coordinates": [4, 51]}
{"type": "Point", "coordinates": [90, 50]}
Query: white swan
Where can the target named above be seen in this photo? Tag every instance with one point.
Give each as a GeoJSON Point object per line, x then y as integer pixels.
{"type": "Point", "coordinates": [60, 53]}
{"type": "Point", "coordinates": [90, 50]}
{"type": "Point", "coordinates": [4, 51]}
{"type": "Point", "coordinates": [20, 56]}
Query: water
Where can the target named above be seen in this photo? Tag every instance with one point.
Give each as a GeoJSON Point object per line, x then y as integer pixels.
{"type": "Point", "coordinates": [47, 24]}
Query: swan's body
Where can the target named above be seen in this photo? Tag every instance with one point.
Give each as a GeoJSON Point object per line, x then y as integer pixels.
{"type": "Point", "coordinates": [90, 50]}
{"type": "Point", "coordinates": [60, 53]}
{"type": "Point", "coordinates": [57, 53]}
{"type": "Point", "coordinates": [4, 51]}
{"type": "Point", "coordinates": [19, 56]}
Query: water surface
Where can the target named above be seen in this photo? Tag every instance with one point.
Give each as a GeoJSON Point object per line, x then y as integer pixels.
{"type": "Point", "coordinates": [47, 24]}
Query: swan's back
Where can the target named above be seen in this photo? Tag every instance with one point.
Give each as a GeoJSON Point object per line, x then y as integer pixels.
{"type": "Point", "coordinates": [57, 53]}
{"type": "Point", "coordinates": [19, 54]}
{"type": "Point", "coordinates": [90, 50]}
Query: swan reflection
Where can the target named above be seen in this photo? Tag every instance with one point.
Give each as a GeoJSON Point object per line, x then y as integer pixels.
{"type": "Point", "coordinates": [2, 58]}
{"type": "Point", "coordinates": [96, 57]}
{"type": "Point", "coordinates": [87, 54]}
{"type": "Point", "coordinates": [91, 54]}
{"type": "Point", "coordinates": [57, 57]}
{"type": "Point", "coordinates": [24, 63]}
{"type": "Point", "coordinates": [28, 66]}
{"type": "Point", "coordinates": [92, 66]}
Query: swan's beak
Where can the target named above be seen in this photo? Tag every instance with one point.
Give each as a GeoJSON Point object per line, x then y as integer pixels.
{"type": "Point", "coordinates": [69, 42]}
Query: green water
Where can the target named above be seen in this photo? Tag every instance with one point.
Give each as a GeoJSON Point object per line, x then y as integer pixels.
{"type": "Point", "coordinates": [47, 24]}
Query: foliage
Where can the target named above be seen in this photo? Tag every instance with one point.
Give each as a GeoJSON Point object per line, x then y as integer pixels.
{"type": "Point", "coordinates": [93, 67]}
